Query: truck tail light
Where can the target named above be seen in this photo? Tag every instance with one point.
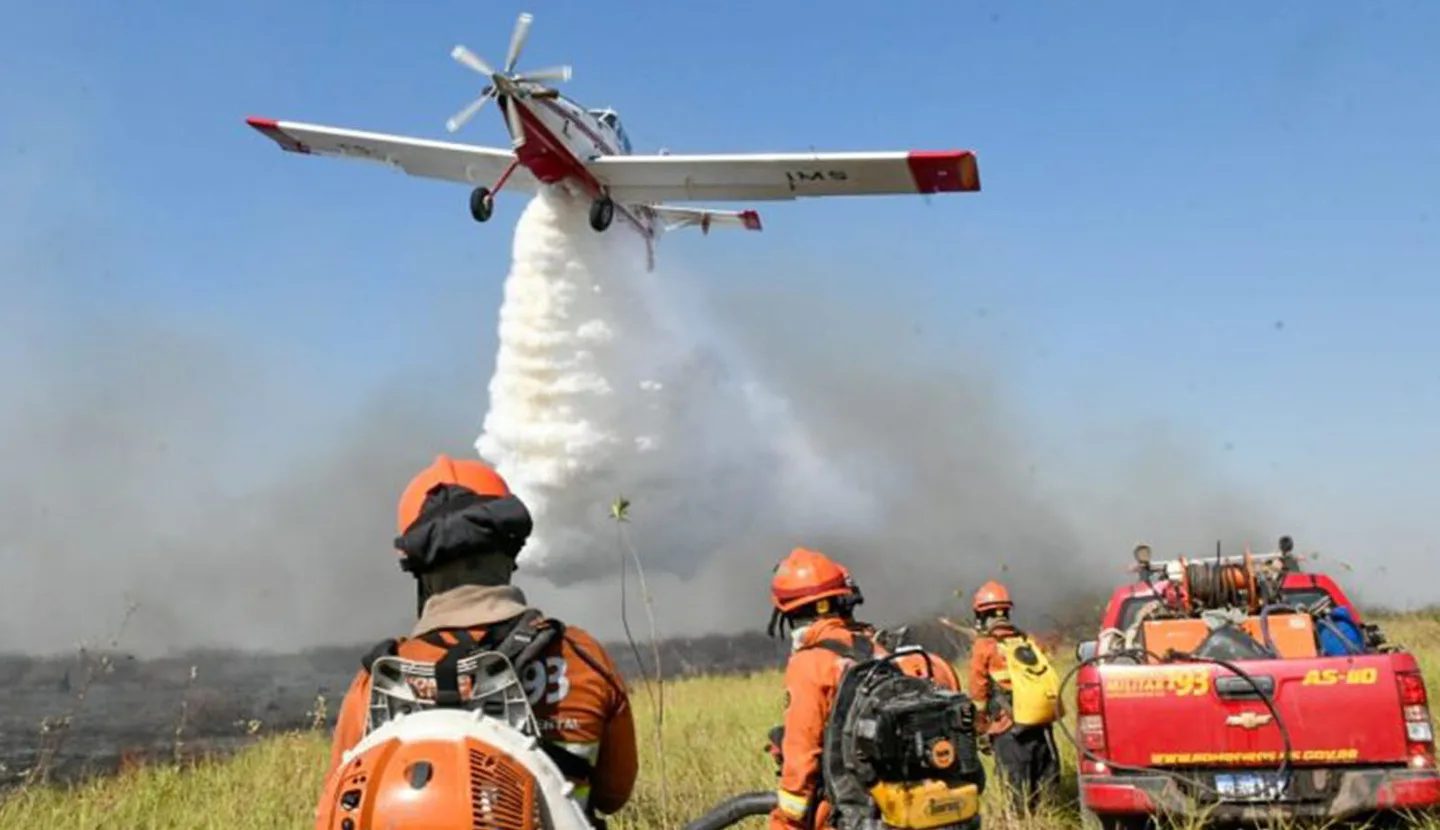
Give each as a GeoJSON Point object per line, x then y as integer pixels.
{"type": "Point", "coordinates": [1419, 732]}
{"type": "Point", "coordinates": [1090, 723]}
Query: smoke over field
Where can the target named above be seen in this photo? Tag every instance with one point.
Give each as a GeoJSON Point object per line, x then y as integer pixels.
{"type": "Point", "coordinates": [218, 483]}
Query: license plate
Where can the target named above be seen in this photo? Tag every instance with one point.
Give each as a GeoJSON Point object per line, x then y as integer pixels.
{"type": "Point", "coordinates": [1258, 786]}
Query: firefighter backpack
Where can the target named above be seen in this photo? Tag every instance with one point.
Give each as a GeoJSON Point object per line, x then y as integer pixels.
{"type": "Point", "coordinates": [1034, 683]}
{"type": "Point", "coordinates": [455, 678]}
{"type": "Point", "coordinates": [898, 751]}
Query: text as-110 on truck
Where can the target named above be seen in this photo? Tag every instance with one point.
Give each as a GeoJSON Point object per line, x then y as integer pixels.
{"type": "Point", "coordinates": [1242, 688]}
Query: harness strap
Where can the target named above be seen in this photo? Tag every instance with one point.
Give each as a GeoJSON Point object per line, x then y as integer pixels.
{"type": "Point", "coordinates": [516, 638]}
{"type": "Point", "coordinates": [520, 639]}
{"type": "Point", "coordinates": [384, 648]}
{"type": "Point", "coordinates": [447, 668]}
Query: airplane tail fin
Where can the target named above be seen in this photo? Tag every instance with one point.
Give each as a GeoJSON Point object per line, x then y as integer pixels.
{"type": "Point", "coordinates": [674, 218]}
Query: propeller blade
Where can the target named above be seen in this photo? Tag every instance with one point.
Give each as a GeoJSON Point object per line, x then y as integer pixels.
{"type": "Point", "coordinates": [549, 73]}
{"type": "Point", "coordinates": [470, 59]}
{"type": "Point", "coordinates": [517, 40]}
{"type": "Point", "coordinates": [517, 127]}
{"type": "Point", "coordinates": [463, 117]}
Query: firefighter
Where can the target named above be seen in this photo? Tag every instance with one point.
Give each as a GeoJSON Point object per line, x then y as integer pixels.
{"type": "Point", "coordinates": [1025, 756]}
{"type": "Point", "coordinates": [460, 531]}
{"type": "Point", "coordinates": [815, 598]}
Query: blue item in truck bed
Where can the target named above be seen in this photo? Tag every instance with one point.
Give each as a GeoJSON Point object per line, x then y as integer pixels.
{"type": "Point", "coordinates": [1339, 635]}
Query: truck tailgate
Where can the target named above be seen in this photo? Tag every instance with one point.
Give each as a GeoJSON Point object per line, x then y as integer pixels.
{"type": "Point", "coordinates": [1337, 710]}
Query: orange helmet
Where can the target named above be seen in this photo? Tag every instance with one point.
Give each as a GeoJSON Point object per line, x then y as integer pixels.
{"type": "Point", "coordinates": [807, 576]}
{"type": "Point", "coordinates": [991, 596]}
{"type": "Point", "coordinates": [468, 473]}
{"type": "Point", "coordinates": [456, 508]}
{"type": "Point", "coordinates": [431, 783]}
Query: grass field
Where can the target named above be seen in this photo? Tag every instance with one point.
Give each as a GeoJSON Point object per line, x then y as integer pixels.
{"type": "Point", "coordinates": [714, 732]}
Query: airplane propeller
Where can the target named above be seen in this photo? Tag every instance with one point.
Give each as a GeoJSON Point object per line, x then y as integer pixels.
{"type": "Point", "coordinates": [505, 82]}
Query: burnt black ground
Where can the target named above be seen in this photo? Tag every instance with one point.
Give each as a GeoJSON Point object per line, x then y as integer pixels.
{"type": "Point", "coordinates": [132, 708]}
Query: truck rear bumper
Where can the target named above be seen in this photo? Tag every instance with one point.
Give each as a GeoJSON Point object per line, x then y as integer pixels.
{"type": "Point", "coordinates": [1341, 793]}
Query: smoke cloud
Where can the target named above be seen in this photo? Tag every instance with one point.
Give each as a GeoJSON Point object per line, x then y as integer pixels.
{"type": "Point", "coordinates": [739, 435]}
{"type": "Point", "coordinates": [202, 475]}
{"type": "Point", "coordinates": [175, 468]}
{"type": "Point", "coordinates": [602, 389]}
{"type": "Point", "coordinates": [151, 466]}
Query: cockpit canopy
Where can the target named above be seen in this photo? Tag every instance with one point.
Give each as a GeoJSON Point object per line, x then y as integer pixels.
{"type": "Point", "coordinates": [611, 119]}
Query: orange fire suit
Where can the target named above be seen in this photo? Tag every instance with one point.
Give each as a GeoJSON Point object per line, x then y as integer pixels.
{"type": "Point", "coordinates": [811, 680]}
{"type": "Point", "coordinates": [989, 675]}
{"type": "Point", "coordinates": [1025, 756]}
{"type": "Point", "coordinates": [578, 697]}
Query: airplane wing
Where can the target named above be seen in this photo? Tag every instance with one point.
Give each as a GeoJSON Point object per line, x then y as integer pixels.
{"type": "Point", "coordinates": [780, 176]}
{"type": "Point", "coordinates": [675, 218]}
{"type": "Point", "coordinates": [416, 156]}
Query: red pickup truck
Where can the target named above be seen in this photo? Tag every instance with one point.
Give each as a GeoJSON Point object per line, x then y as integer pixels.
{"type": "Point", "coordinates": [1246, 689]}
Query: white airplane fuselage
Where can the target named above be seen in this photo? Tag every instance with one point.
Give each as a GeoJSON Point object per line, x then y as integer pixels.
{"type": "Point", "coordinates": [560, 136]}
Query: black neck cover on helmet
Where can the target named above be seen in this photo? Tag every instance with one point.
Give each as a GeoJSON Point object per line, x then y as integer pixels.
{"type": "Point", "coordinates": [456, 522]}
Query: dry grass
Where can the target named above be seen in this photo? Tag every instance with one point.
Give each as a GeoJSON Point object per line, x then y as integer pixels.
{"type": "Point", "coordinates": [714, 732]}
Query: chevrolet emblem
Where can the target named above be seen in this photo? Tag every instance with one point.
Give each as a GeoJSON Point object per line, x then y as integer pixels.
{"type": "Point", "coordinates": [1248, 720]}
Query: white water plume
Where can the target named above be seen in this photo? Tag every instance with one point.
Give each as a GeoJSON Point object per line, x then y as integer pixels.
{"type": "Point", "coordinates": [603, 389]}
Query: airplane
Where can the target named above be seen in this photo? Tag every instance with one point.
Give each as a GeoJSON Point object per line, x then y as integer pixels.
{"type": "Point", "coordinates": [558, 143]}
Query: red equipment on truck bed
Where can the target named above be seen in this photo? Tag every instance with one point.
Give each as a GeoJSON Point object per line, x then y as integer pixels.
{"type": "Point", "coordinates": [1243, 688]}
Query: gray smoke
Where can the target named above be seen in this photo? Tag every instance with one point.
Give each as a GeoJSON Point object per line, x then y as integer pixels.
{"type": "Point", "coordinates": [957, 493]}
{"type": "Point", "coordinates": [197, 473]}
{"type": "Point", "coordinates": [150, 463]}
{"type": "Point", "coordinates": [154, 466]}
{"type": "Point", "coordinates": [208, 477]}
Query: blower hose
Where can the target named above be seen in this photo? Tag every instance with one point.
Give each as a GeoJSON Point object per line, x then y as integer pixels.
{"type": "Point", "coordinates": [1283, 771]}
{"type": "Point", "coordinates": [735, 809]}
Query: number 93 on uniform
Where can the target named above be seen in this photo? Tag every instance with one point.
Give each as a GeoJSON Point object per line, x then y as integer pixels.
{"type": "Point", "coordinates": [546, 680]}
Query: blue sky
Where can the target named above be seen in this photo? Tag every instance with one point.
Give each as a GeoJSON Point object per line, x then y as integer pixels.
{"type": "Point", "coordinates": [1222, 216]}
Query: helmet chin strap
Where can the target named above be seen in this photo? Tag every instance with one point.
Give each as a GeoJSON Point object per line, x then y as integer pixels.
{"type": "Point", "coordinates": [841, 606]}
{"type": "Point", "coordinates": [781, 626]}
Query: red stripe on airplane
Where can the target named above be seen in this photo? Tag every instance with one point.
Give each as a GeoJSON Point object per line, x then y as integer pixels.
{"type": "Point", "coordinates": [270, 128]}
{"type": "Point", "coordinates": [544, 160]}
{"type": "Point", "coordinates": [944, 171]}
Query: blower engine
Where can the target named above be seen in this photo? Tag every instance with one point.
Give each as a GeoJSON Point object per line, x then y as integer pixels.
{"type": "Point", "coordinates": [422, 766]}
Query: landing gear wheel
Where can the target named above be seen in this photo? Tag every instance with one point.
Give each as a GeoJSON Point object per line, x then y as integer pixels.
{"type": "Point", "coordinates": [602, 213]}
{"type": "Point", "coordinates": [482, 203]}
